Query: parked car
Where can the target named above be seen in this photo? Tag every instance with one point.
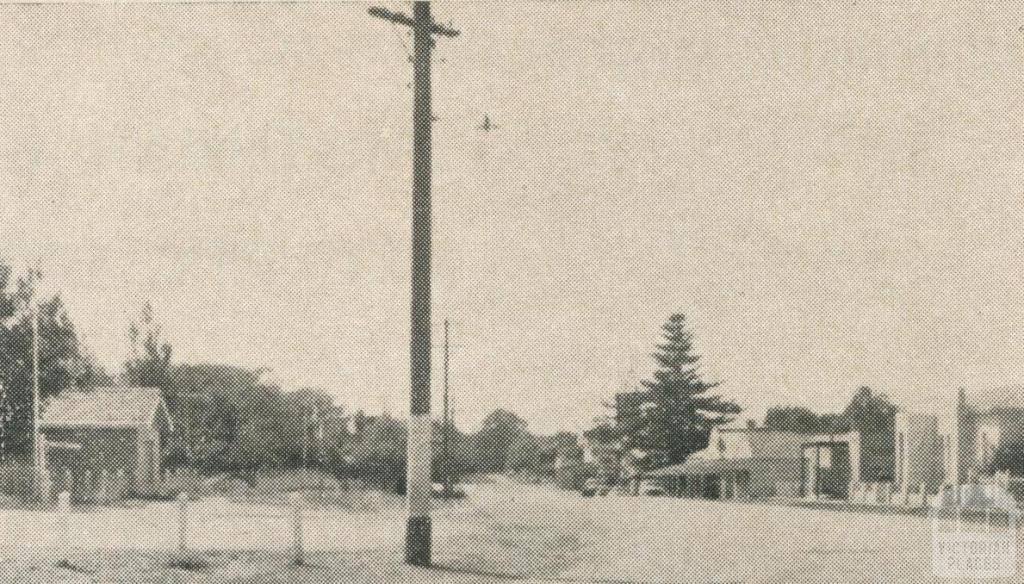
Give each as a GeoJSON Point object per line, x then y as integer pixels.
{"type": "Point", "coordinates": [590, 487]}
{"type": "Point", "coordinates": [651, 489]}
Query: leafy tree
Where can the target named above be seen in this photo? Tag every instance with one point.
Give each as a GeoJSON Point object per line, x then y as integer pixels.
{"type": "Point", "coordinates": [1008, 457]}
{"type": "Point", "coordinates": [500, 429]}
{"type": "Point", "coordinates": [377, 453]}
{"type": "Point", "coordinates": [524, 455]}
{"type": "Point", "coordinates": [61, 364]}
{"type": "Point", "coordinates": [150, 362]}
{"type": "Point", "coordinates": [313, 410]}
{"type": "Point", "coordinates": [793, 419]}
{"type": "Point", "coordinates": [92, 373]}
{"type": "Point", "coordinates": [679, 413]}
{"type": "Point", "coordinates": [229, 419]}
{"type": "Point", "coordinates": [874, 416]}
{"type": "Point", "coordinates": [603, 433]}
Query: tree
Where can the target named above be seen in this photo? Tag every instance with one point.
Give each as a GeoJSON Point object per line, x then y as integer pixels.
{"type": "Point", "coordinates": [229, 419]}
{"type": "Point", "coordinates": [793, 419]}
{"type": "Point", "coordinates": [61, 364]}
{"type": "Point", "coordinates": [377, 453]}
{"type": "Point", "coordinates": [150, 362]}
{"type": "Point", "coordinates": [500, 429]}
{"type": "Point", "coordinates": [93, 373]}
{"type": "Point", "coordinates": [1008, 457]}
{"type": "Point", "coordinates": [874, 416]}
{"type": "Point", "coordinates": [603, 433]}
{"type": "Point", "coordinates": [679, 413]}
{"type": "Point", "coordinates": [524, 455]}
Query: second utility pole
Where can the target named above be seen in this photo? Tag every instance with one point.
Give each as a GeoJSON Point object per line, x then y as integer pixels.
{"type": "Point", "coordinates": [418, 484]}
{"type": "Point", "coordinates": [446, 457]}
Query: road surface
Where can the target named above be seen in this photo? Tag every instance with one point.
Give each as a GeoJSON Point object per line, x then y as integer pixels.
{"type": "Point", "coordinates": [502, 530]}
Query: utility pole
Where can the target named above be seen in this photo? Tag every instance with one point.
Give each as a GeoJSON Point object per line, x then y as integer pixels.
{"type": "Point", "coordinates": [37, 449]}
{"type": "Point", "coordinates": [419, 487]}
{"type": "Point", "coordinates": [446, 459]}
{"type": "Point", "coordinates": [5, 419]}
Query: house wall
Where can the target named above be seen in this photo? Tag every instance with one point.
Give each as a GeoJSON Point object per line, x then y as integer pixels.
{"type": "Point", "coordinates": [109, 450]}
{"type": "Point", "coordinates": [147, 468]}
{"type": "Point", "coordinates": [918, 457]}
{"type": "Point", "coordinates": [952, 442]}
{"type": "Point", "coordinates": [778, 481]}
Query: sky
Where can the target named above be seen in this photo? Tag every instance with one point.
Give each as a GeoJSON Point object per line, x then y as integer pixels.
{"type": "Point", "coordinates": [830, 191]}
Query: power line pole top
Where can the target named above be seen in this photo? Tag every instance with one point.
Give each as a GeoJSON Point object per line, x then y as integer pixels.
{"type": "Point", "coordinates": [403, 19]}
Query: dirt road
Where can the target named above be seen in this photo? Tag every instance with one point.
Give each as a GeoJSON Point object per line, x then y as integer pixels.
{"type": "Point", "coordinates": [502, 530]}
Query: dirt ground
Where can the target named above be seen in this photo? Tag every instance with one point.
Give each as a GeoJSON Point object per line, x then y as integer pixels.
{"type": "Point", "coordinates": [501, 531]}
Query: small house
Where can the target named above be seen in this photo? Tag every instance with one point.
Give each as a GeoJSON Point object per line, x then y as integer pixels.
{"type": "Point", "coordinates": [92, 435]}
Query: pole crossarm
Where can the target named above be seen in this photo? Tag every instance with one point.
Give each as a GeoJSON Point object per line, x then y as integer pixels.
{"type": "Point", "coordinates": [403, 19]}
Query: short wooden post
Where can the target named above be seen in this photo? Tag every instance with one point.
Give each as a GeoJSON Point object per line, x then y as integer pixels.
{"type": "Point", "coordinates": [64, 527]}
{"type": "Point", "coordinates": [182, 522]}
{"type": "Point", "coordinates": [295, 499]}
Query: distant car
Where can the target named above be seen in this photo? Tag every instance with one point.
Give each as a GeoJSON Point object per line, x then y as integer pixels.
{"type": "Point", "coordinates": [590, 487]}
{"type": "Point", "coordinates": [651, 489]}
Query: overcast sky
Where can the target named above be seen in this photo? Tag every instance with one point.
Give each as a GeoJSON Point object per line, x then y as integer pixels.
{"type": "Point", "coordinates": [832, 192]}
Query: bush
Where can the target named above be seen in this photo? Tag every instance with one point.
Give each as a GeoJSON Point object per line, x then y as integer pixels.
{"type": "Point", "coordinates": [191, 481]}
{"type": "Point", "coordinates": [188, 560]}
{"type": "Point", "coordinates": [16, 482]}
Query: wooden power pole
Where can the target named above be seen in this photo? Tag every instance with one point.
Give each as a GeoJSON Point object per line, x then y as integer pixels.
{"type": "Point", "coordinates": [419, 487]}
{"type": "Point", "coordinates": [446, 453]}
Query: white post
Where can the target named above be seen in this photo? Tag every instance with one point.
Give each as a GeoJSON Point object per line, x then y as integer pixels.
{"type": "Point", "coordinates": [295, 499]}
{"type": "Point", "coordinates": [183, 522]}
{"type": "Point", "coordinates": [64, 527]}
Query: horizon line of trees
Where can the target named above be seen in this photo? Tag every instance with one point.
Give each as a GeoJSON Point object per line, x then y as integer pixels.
{"type": "Point", "coordinates": [676, 411]}
{"type": "Point", "coordinates": [229, 418]}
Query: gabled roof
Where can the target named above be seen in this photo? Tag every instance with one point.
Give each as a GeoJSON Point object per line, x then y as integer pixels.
{"type": "Point", "coordinates": [108, 407]}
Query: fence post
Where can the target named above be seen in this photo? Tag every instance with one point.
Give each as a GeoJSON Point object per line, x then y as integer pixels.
{"type": "Point", "coordinates": [64, 528]}
{"type": "Point", "coordinates": [182, 522]}
{"type": "Point", "coordinates": [295, 499]}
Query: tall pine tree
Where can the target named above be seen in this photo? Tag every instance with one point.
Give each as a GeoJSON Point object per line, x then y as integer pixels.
{"type": "Point", "coordinates": [678, 413]}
